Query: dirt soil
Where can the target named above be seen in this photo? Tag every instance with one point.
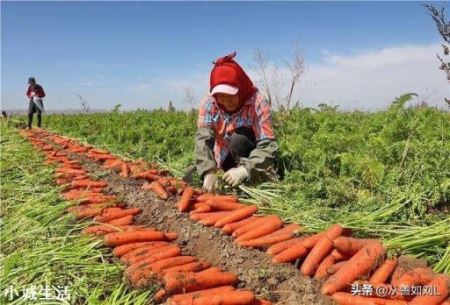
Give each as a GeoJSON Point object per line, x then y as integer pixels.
{"type": "Point", "coordinates": [279, 283]}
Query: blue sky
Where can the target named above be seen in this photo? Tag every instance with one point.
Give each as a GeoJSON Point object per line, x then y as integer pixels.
{"type": "Point", "coordinates": [142, 54]}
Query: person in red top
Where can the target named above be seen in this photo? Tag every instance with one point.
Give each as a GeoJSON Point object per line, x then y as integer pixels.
{"type": "Point", "coordinates": [35, 93]}
{"type": "Point", "coordinates": [234, 129]}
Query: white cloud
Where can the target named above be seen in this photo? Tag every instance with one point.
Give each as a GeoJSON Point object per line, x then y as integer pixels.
{"type": "Point", "coordinates": [371, 80]}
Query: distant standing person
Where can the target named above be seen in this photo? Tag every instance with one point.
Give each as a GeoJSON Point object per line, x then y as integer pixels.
{"type": "Point", "coordinates": [35, 93]}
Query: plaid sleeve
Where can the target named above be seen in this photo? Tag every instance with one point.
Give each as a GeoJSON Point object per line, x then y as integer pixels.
{"type": "Point", "coordinates": [206, 114]}
{"type": "Point", "coordinates": [263, 128]}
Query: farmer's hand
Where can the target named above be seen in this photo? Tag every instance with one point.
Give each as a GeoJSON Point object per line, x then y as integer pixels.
{"type": "Point", "coordinates": [32, 93]}
{"type": "Point", "coordinates": [235, 176]}
{"type": "Point", "coordinates": [211, 182]}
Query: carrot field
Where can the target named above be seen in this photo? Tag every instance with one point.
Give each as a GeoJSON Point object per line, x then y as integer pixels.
{"type": "Point", "coordinates": [95, 203]}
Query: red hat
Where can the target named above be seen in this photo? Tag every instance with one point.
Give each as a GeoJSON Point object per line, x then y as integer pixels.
{"type": "Point", "coordinates": [228, 77]}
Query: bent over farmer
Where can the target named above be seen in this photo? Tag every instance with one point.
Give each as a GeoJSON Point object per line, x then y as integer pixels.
{"type": "Point", "coordinates": [234, 129]}
{"type": "Point", "coordinates": [35, 93]}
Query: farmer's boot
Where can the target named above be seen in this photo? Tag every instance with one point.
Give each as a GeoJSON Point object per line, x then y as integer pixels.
{"type": "Point", "coordinates": [39, 119]}
{"type": "Point", "coordinates": [30, 120]}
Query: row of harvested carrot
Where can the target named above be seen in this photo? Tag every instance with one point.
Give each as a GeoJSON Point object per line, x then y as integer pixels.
{"type": "Point", "coordinates": [332, 255]}
{"type": "Point", "coordinates": [147, 253]}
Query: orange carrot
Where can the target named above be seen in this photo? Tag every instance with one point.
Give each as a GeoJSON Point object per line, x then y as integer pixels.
{"type": "Point", "coordinates": [123, 221]}
{"type": "Point", "coordinates": [191, 267]}
{"type": "Point", "coordinates": [106, 229]}
{"type": "Point", "coordinates": [113, 164]}
{"type": "Point", "coordinates": [441, 284]}
{"type": "Point", "coordinates": [185, 200]}
{"type": "Point", "coordinates": [338, 256]}
{"type": "Point", "coordinates": [416, 277]}
{"type": "Point", "coordinates": [210, 220]}
{"type": "Point", "coordinates": [88, 183]}
{"type": "Point", "coordinates": [157, 188]}
{"type": "Point", "coordinates": [83, 212]}
{"type": "Point", "coordinates": [201, 207]}
{"type": "Point", "coordinates": [272, 224]}
{"type": "Point", "coordinates": [312, 240]}
{"type": "Point", "coordinates": [125, 172]}
{"type": "Point", "coordinates": [254, 224]}
{"type": "Point", "coordinates": [238, 297]}
{"type": "Point", "coordinates": [200, 292]}
{"type": "Point", "coordinates": [231, 227]}
{"type": "Point", "coordinates": [344, 298]}
{"type": "Point", "coordinates": [266, 240]}
{"type": "Point", "coordinates": [292, 253]}
{"type": "Point", "coordinates": [139, 253]}
{"type": "Point", "coordinates": [237, 215]}
{"type": "Point", "coordinates": [124, 249]}
{"type": "Point", "coordinates": [117, 239]}
{"type": "Point", "coordinates": [205, 197]}
{"type": "Point", "coordinates": [381, 275]}
{"type": "Point", "coordinates": [171, 235]}
{"type": "Point", "coordinates": [321, 271]}
{"type": "Point", "coordinates": [114, 213]}
{"type": "Point", "coordinates": [165, 252]}
{"type": "Point", "coordinates": [334, 268]}
{"type": "Point", "coordinates": [358, 265]}
{"type": "Point", "coordinates": [200, 216]}
{"type": "Point", "coordinates": [197, 281]}
{"type": "Point", "coordinates": [321, 249]}
{"type": "Point", "coordinates": [281, 246]}
{"type": "Point", "coordinates": [172, 262]}
{"type": "Point", "coordinates": [223, 205]}
{"type": "Point", "coordinates": [147, 176]}
{"type": "Point", "coordinates": [348, 245]}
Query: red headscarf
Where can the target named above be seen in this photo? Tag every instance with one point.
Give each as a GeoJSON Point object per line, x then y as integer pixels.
{"type": "Point", "coordinates": [228, 72]}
